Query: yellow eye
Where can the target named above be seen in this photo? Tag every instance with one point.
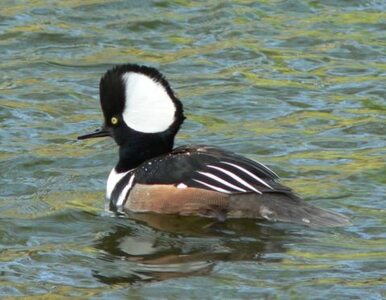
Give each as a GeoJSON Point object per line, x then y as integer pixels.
{"type": "Point", "coordinates": [114, 121]}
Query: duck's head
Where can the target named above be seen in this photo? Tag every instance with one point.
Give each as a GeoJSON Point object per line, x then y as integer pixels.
{"type": "Point", "coordinates": [138, 105]}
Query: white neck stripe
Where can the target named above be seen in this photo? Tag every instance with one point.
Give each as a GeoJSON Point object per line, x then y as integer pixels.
{"type": "Point", "coordinates": [122, 196]}
{"type": "Point", "coordinates": [112, 181]}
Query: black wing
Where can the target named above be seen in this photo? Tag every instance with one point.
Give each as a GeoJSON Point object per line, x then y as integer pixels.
{"type": "Point", "coordinates": [209, 168]}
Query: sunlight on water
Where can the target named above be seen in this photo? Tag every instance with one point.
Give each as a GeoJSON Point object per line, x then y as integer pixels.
{"type": "Point", "coordinates": [298, 85]}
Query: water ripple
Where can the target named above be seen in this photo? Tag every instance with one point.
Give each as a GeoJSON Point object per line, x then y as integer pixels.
{"type": "Point", "coordinates": [299, 85]}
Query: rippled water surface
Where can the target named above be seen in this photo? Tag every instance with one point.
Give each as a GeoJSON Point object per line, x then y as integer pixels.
{"type": "Point", "coordinates": [298, 85]}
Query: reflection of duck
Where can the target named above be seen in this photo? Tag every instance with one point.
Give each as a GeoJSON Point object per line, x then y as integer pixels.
{"type": "Point", "coordinates": [143, 116]}
{"type": "Point", "coordinates": [161, 247]}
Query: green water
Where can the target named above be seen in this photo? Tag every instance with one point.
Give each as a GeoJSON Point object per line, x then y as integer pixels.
{"type": "Point", "coordinates": [298, 85]}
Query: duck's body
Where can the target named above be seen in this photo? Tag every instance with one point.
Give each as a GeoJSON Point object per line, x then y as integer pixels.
{"type": "Point", "coordinates": [143, 115]}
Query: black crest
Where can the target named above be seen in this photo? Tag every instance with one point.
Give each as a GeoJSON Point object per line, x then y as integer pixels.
{"type": "Point", "coordinates": [112, 90]}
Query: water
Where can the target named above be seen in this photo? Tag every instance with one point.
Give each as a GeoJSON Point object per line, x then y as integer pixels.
{"type": "Point", "coordinates": [298, 85]}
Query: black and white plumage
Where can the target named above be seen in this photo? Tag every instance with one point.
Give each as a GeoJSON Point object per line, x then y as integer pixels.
{"type": "Point", "coordinates": [200, 167]}
{"type": "Point", "coordinates": [143, 115]}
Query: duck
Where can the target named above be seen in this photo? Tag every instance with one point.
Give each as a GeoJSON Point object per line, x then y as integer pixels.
{"type": "Point", "coordinates": [143, 115]}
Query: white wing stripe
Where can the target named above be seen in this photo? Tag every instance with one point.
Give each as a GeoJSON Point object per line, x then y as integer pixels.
{"type": "Point", "coordinates": [222, 181]}
{"type": "Point", "coordinates": [212, 187]}
{"type": "Point", "coordinates": [234, 176]}
{"type": "Point", "coordinates": [264, 166]}
{"type": "Point", "coordinates": [121, 198]}
{"type": "Point", "coordinates": [269, 169]}
{"type": "Point", "coordinates": [249, 173]}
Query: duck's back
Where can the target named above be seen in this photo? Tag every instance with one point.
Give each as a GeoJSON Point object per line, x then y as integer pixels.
{"type": "Point", "coordinates": [210, 182]}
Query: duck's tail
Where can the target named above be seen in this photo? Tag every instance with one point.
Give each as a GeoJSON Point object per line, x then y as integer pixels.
{"type": "Point", "coordinates": [283, 207]}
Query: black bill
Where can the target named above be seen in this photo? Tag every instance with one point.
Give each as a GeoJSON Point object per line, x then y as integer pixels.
{"type": "Point", "coordinates": [102, 132]}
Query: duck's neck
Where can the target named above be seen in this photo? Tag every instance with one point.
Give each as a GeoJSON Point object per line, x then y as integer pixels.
{"type": "Point", "coordinates": [141, 148]}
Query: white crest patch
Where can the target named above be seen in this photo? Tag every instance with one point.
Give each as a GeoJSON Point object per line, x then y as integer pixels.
{"type": "Point", "coordinates": [148, 107]}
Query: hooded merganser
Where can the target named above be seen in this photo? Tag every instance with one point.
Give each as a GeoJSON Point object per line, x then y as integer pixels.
{"type": "Point", "coordinates": [143, 115]}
